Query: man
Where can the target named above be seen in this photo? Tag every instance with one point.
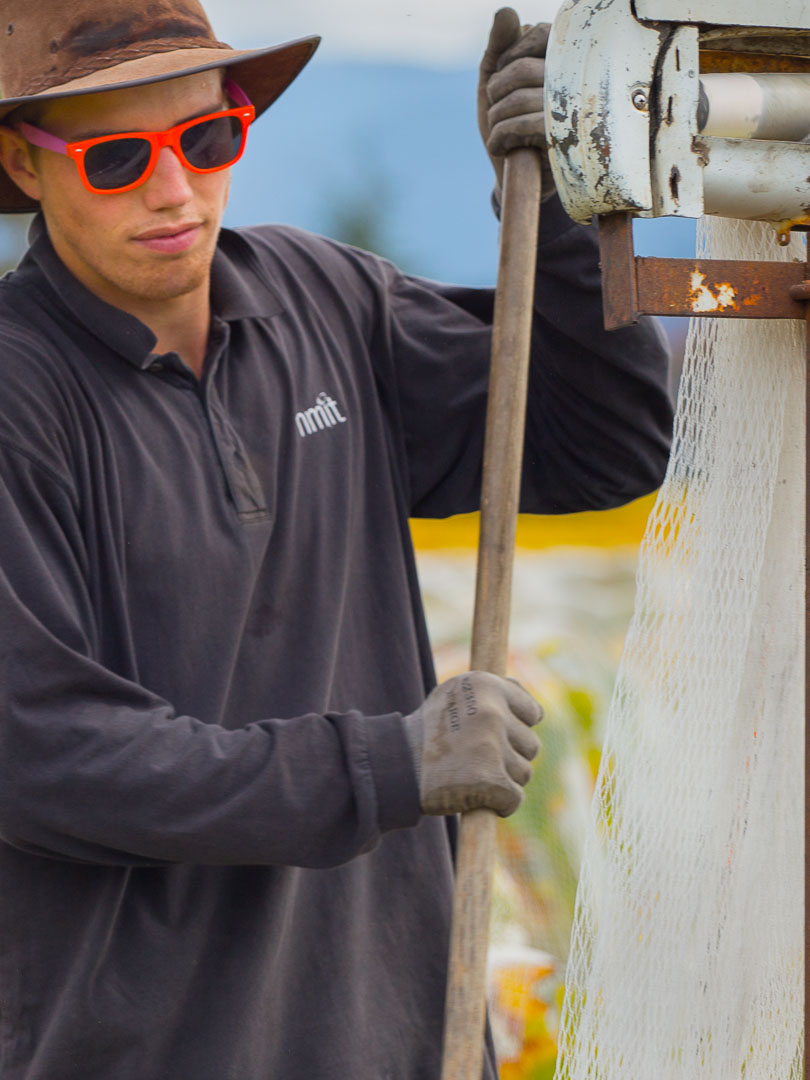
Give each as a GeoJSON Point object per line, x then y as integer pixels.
{"type": "Point", "coordinates": [222, 763]}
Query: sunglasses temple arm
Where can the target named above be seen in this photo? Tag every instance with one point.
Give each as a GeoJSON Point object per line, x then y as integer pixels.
{"type": "Point", "coordinates": [37, 137]}
{"type": "Point", "coordinates": [236, 93]}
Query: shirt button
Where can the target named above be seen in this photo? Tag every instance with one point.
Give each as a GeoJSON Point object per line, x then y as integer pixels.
{"type": "Point", "coordinates": [156, 366]}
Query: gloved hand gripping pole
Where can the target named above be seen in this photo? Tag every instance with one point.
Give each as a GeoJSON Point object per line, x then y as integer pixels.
{"type": "Point", "coordinates": [503, 453]}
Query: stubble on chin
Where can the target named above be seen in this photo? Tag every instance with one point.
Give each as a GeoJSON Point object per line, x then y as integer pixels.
{"type": "Point", "coordinates": [168, 283]}
{"type": "Point", "coordinates": [159, 279]}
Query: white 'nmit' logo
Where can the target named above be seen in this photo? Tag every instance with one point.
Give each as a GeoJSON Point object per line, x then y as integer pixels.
{"type": "Point", "coordinates": [323, 414]}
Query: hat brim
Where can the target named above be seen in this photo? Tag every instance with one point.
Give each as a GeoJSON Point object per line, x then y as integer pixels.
{"type": "Point", "coordinates": [262, 73]}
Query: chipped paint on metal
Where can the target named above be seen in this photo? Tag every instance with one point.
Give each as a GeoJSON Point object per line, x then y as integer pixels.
{"type": "Point", "coordinates": [598, 55]}
{"type": "Point", "coordinates": [704, 299]}
{"type": "Point", "coordinates": [676, 172]}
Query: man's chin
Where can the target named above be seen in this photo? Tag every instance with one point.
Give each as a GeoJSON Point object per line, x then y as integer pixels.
{"type": "Point", "coordinates": [172, 288]}
{"type": "Point", "coordinates": [170, 281]}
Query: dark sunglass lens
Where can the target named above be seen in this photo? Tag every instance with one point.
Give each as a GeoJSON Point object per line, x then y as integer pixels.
{"type": "Point", "coordinates": [116, 163]}
{"type": "Point", "coordinates": [212, 143]}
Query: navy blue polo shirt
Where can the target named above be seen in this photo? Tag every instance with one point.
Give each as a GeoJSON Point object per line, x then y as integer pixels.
{"type": "Point", "coordinates": [212, 860]}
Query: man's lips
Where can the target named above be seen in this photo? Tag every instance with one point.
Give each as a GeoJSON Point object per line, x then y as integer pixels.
{"type": "Point", "coordinates": [170, 239]}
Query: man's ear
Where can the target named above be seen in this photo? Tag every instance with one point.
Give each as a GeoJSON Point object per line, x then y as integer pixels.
{"type": "Point", "coordinates": [15, 157]}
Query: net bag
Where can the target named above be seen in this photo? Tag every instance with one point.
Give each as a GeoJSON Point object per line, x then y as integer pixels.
{"type": "Point", "coordinates": [686, 956]}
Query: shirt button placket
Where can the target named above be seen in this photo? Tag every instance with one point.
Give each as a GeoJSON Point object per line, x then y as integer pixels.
{"type": "Point", "coordinates": [243, 484]}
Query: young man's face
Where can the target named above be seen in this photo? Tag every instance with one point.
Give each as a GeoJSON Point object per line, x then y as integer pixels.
{"type": "Point", "coordinates": [145, 246]}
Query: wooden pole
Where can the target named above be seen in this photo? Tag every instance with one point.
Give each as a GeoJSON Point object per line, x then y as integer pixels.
{"type": "Point", "coordinates": [503, 453]}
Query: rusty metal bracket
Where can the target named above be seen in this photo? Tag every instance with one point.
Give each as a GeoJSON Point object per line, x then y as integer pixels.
{"type": "Point", "coordinates": [634, 286]}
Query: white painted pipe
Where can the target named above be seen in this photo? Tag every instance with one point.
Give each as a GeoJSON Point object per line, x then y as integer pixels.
{"type": "Point", "coordinates": [756, 180]}
{"type": "Point", "coordinates": [741, 106]}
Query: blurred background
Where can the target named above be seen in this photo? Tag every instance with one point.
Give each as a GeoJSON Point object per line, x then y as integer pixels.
{"type": "Point", "coordinates": [376, 143]}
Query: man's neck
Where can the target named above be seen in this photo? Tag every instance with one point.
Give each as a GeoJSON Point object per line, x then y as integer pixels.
{"type": "Point", "coordinates": [180, 323]}
{"type": "Point", "coordinates": [181, 326]}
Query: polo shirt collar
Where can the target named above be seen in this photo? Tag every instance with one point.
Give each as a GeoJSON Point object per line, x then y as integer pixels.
{"type": "Point", "coordinates": [240, 286]}
{"type": "Point", "coordinates": [239, 290]}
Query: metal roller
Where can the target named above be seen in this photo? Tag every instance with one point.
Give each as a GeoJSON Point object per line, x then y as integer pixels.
{"type": "Point", "coordinates": [748, 106]}
{"type": "Point", "coordinates": [756, 180]}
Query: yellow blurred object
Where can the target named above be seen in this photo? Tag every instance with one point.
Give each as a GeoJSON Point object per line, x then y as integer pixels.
{"type": "Point", "coordinates": [521, 994]}
{"type": "Point", "coordinates": [594, 528]}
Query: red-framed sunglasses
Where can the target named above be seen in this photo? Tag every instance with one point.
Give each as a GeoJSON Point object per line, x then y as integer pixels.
{"type": "Point", "coordinates": [111, 164]}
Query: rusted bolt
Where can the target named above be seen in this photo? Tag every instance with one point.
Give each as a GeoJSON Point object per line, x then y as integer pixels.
{"type": "Point", "coordinates": [801, 291]}
{"type": "Point", "coordinates": [639, 99]}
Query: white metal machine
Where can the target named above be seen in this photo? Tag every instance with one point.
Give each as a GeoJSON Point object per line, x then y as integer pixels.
{"type": "Point", "coordinates": [680, 108]}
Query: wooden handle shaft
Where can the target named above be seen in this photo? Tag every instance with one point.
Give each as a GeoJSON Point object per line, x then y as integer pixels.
{"type": "Point", "coordinates": [503, 453]}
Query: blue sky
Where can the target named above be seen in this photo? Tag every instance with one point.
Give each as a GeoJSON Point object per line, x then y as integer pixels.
{"type": "Point", "coordinates": [437, 33]}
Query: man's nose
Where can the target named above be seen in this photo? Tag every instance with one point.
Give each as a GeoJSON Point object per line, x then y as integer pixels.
{"type": "Point", "coordinates": [169, 183]}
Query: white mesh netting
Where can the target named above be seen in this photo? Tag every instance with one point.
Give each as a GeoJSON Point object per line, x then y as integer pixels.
{"type": "Point", "coordinates": [686, 955]}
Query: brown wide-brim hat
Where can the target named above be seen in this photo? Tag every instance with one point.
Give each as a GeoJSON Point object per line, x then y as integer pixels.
{"type": "Point", "coordinates": [58, 48]}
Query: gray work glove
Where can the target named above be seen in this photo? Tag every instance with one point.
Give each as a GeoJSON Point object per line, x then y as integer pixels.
{"type": "Point", "coordinates": [510, 93]}
{"type": "Point", "coordinates": [472, 742]}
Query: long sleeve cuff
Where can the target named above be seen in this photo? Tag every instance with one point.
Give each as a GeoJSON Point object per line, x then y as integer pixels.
{"type": "Point", "coordinates": [392, 768]}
